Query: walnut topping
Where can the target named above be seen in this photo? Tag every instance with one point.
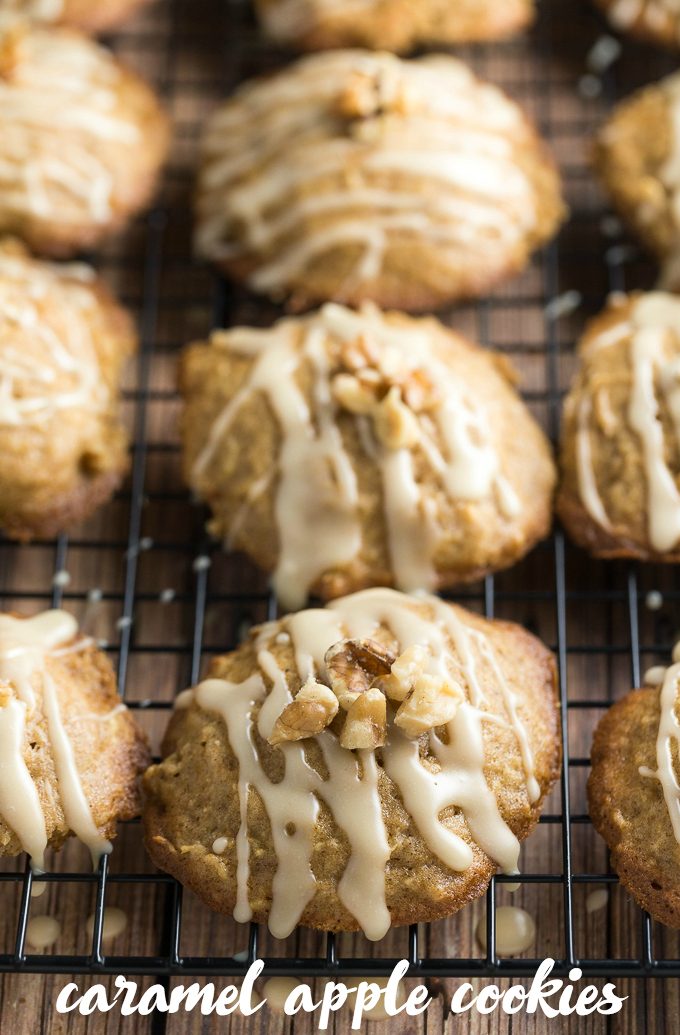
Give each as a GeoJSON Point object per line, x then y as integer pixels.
{"type": "Point", "coordinates": [432, 702]}
{"type": "Point", "coordinates": [366, 722]}
{"type": "Point", "coordinates": [418, 391]}
{"type": "Point", "coordinates": [358, 354]}
{"type": "Point", "coordinates": [354, 666]}
{"type": "Point", "coordinates": [405, 670]}
{"type": "Point", "coordinates": [314, 708]}
{"type": "Point", "coordinates": [395, 424]}
{"type": "Point", "coordinates": [353, 394]}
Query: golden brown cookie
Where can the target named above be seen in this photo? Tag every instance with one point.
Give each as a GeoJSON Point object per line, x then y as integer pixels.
{"type": "Point", "coordinates": [88, 15]}
{"type": "Point", "coordinates": [71, 754]}
{"type": "Point", "coordinates": [358, 767]}
{"type": "Point", "coordinates": [619, 494]}
{"type": "Point", "coordinates": [82, 139]}
{"type": "Point", "coordinates": [63, 343]}
{"type": "Point", "coordinates": [347, 449]}
{"type": "Point", "coordinates": [637, 156]}
{"type": "Point", "coordinates": [352, 176]}
{"type": "Point", "coordinates": [655, 20]}
{"type": "Point", "coordinates": [633, 792]}
{"type": "Point", "coordinates": [396, 25]}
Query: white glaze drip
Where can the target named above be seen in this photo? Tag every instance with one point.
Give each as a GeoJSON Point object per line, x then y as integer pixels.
{"type": "Point", "coordinates": [317, 501]}
{"type": "Point", "coordinates": [653, 328]}
{"type": "Point", "coordinates": [668, 739]}
{"type": "Point", "coordinates": [26, 684]}
{"type": "Point", "coordinates": [350, 790]}
{"type": "Point", "coordinates": [48, 357]}
{"type": "Point", "coordinates": [59, 114]}
{"type": "Point", "coordinates": [313, 176]}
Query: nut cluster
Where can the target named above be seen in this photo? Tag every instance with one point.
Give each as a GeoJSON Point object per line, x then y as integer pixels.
{"type": "Point", "coordinates": [363, 676]}
{"type": "Point", "coordinates": [384, 389]}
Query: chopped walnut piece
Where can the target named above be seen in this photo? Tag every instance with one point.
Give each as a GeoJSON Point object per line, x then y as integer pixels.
{"type": "Point", "coordinates": [418, 391]}
{"type": "Point", "coordinates": [405, 670]}
{"type": "Point", "coordinates": [395, 425]}
{"type": "Point", "coordinates": [353, 394]}
{"type": "Point", "coordinates": [314, 708]}
{"type": "Point", "coordinates": [358, 354]}
{"type": "Point", "coordinates": [433, 702]}
{"type": "Point", "coordinates": [366, 722]}
{"type": "Point", "coordinates": [353, 666]}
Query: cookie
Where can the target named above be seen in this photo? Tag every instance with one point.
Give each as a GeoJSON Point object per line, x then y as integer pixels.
{"type": "Point", "coordinates": [82, 140]}
{"type": "Point", "coordinates": [352, 176]}
{"type": "Point", "coordinates": [619, 493]}
{"type": "Point", "coordinates": [637, 157]}
{"type": "Point", "coordinates": [88, 15]}
{"type": "Point", "coordinates": [347, 449]}
{"type": "Point", "coordinates": [633, 793]}
{"type": "Point", "coordinates": [358, 767]}
{"type": "Point", "coordinates": [63, 342]}
{"type": "Point", "coordinates": [71, 754]}
{"type": "Point", "coordinates": [657, 21]}
{"type": "Point", "coordinates": [396, 25]}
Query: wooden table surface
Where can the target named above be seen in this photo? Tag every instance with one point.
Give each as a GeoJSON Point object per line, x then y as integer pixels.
{"type": "Point", "coordinates": [195, 50]}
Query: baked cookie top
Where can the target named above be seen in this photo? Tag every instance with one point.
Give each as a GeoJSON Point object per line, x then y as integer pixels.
{"type": "Point", "coordinates": [89, 15]}
{"type": "Point", "coordinates": [81, 138]}
{"type": "Point", "coordinates": [63, 342]}
{"type": "Point", "coordinates": [352, 176]}
{"type": "Point", "coordinates": [634, 791]}
{"type": "Point", "coordinates": [70, 752]}
{"type": "Point", "coordinates": [620, 490]}
{"type": "Point", "coordinates": [348, 449]}
{"type": "Point", "coordinates": [655, 20]}
{"type": "Point", "coordinates": [355, 767]}
{"type": "Point", "coordinates": [391, 24]}
{"type": "Point", "coordinates": [637, 156]}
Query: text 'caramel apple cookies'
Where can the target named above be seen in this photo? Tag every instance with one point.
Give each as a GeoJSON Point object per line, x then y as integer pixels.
{"type": "Point", "coordinates": [88, 15]}
{"type": "Point", "coordinates": [63, 343]}
{"type": "Point", "coordinates": [361, 766]}
{"type": "Point", "coordinates": [352, 176]}
{"type": "Point", "coordinates": [637, 157]}
{"type": "Point", "coordinates": [354, 448]}
{"type": "Point", "coordinates": [619, 493]}
{"type": "Point", "coordinates": [71, 753]}
{"type": "Point", "coordinates": [82, 139]}
{"type": "Point", "coordinates": [394, 25]}
{"type": "Point", "coordinates": [634, 791]}
{"type": "Point", "coordinates": [655, 20]}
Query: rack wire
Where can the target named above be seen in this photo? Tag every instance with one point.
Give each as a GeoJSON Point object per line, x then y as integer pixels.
{"type": "Point", "coordinates": [161, 598]}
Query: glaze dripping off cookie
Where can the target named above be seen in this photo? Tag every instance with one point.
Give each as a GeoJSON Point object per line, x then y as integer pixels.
{"type": "Point", "coordinates": [353, 176]}
{"type": "Point", "coordinates": [71, 754]}
{"type": "Point", "coordinates": [82, 139]}
{"type": "Point", "coordinates": [361, 766]}
{"type": "Point", "coordinates": [348, 449]}
{"type": "Point", "coordinates": [619, 493]}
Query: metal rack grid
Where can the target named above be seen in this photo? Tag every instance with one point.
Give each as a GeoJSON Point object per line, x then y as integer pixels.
{"type": "Point", "coordinates": [554, 591]}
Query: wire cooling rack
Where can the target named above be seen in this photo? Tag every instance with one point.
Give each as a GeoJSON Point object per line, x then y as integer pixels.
{"type": "Point", "coordinates": [161, 598]}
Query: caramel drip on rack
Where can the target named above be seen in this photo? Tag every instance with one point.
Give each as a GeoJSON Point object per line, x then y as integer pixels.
{"type": "Point", "coordinates": [358, 150]}
{"type": "Point", "coordinates": [59, 114]}
{"type": "Point", "coordinates": [351, 788]}
{"type": "Point", "coordinates": [654, 361]}
{"type": "Point", "coordinates": [25, 685]}
{"type": "Point", "coordinates": [317, 501]}
{"type": "Point", "coordinates": [48, 357]}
